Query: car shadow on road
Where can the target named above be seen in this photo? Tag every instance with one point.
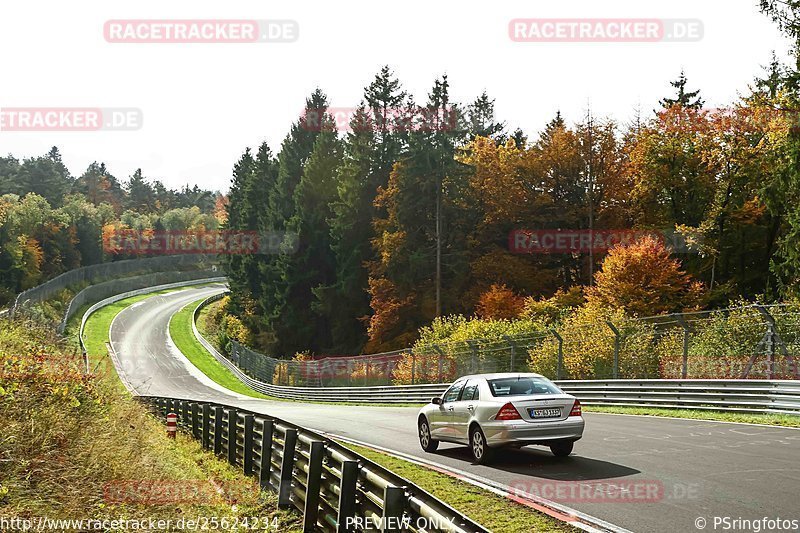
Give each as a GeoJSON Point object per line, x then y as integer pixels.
{"type": "Point", "coordinates": [541, 463]}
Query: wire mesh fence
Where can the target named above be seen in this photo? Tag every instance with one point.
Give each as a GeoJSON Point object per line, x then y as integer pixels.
{"type": "Point", "coordinates": [106, 271]}
{"type": "Point", "coordinates": [747, 342]}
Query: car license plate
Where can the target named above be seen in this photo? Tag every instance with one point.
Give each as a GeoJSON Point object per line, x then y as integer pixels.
{"type": "Point", "coordinates": [545, 413]}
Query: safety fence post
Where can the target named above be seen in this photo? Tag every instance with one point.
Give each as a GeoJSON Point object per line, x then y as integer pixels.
{"type": "Point", "coordinates": [347, 496]}
{"type": "Point", "coordinates": [393, 507]}
{"type": "Point", "coordinates": [233, 419]}
{"type": "Point", "coordinates": [616, 347]}
{"type": "Point", "coordinates": [206, 426]}
{"type": "Point", "coordinates": [440, 361]}
{"type": "Point", "coordinates": [287, 466]}
{"type": "Point", "coordinates": [474, 356]}
{"type": "Point", "coordinates": [266, 454]}
{"type": "Point", "coordinates": [218, 429]}
{"type": "Point", "coordinates": [313, 486]}
{"type": "Point", "coordinates": [686, 333]}
{"type": "Point", "coordinates": [560, 363]}
{"type": "Point", "coordinates": [247, 454]}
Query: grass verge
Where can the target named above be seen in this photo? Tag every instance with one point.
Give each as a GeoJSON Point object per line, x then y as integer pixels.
{"type": "Point", "coordinates": [72, 446]}
{"type": "Point", "coordinates": [180, 329]}
{"type": "Point", "coordinates": [490, 510]}
{"type": "Point", "coordinates": [722, 416]}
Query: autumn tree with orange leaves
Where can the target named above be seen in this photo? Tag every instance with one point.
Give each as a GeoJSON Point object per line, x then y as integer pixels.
{"type": "Point", "coordinates": [644, 279]}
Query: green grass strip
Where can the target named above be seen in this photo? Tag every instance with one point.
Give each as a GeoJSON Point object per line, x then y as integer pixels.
{"type": "Point", "coordinates": [180, 328]}
{"type": "Point", "coordinates": [488, 509]}
{"type": "Point", "coordinates": [722, 416]}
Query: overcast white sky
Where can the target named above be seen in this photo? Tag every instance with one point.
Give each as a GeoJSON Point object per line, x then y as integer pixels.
{"type": "Point", "coordinates": [204, 103]}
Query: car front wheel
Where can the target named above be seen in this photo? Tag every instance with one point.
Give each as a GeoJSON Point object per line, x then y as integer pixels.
{"type": "Point", "coordinates": [481, 452]}
{"type": "Point", "coordinates": [561, 449]}
{"type": "Point", "coordinates": [428, 444]}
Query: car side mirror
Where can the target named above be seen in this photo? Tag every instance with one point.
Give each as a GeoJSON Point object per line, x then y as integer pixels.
{"type": "Point", "coordinates": [437, 401]}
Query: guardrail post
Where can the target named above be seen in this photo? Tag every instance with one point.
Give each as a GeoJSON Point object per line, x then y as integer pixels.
{"type": "Point", "coordinates": [560, 361]}
{"type": "Point", "coordinates": [287, 466]}
{"type": "Point", "coordinates": [266, 454]}
{"type": "Point", "coordinates": [686, 332]}
{"type": "Point", "coordinates": [347, 496]}
{"type": "Point", "coordinates": [185, 413]}
{"type": "Point", "coordinates": [413, 367]}
{"type": "Point", "coordinates": [206, 425]}
{"type": "Point", "coordinates": [616, 347]}
{"type": "Point", "coordinates": [366, 371]}
{"type": "Point", "coordinates": [247, 454]}
{"type": "Point", "coordinates": [217, 429]}
{"type": "Point", "coordinates": [394, 500]}
{"type": "Point", "coordinates": [195, 420]}
{"type": "Point", "coordinates": [313, 485]}
{"type": "Point", "coordinates": [233, 419]}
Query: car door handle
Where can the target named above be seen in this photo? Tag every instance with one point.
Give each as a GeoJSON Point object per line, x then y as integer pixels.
{"type": "Point", "coordinates": [471, 408]}
{"type": "Point", "coordinates": [449, 408]}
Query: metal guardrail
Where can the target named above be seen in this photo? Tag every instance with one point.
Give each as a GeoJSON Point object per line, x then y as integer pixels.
{"type": "Point", "coordinates": [335, 488]}
{"type": "Point", "coordinates": [746, 396]}
{"type": "Point", "coordinates": [326, 481]}
{"type": "Point", "coordinates": [740, 395]}
{"type": "Point", "coordinates": [106, 271]}
{"type": "Point", "coordinates": [137, 292]}
{"type": "Point", "coordinates": [746, 342]}
{"type": "Point", "coordinates": [94, 293]}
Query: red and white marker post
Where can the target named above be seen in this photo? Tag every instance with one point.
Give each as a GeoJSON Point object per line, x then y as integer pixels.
{"type": "Point", "coordinates": [172, 425]}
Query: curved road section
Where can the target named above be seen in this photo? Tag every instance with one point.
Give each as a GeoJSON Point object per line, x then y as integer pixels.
{"type": "Point", "coordinates": [639, 473]}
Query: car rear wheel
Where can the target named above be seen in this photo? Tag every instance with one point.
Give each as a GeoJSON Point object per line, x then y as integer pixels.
{"type": "Point", "coordinates": [562, 449]}
{"type": "Point", "coordinates": [481, 452]}
{"type": "Point", "coordinates": [428, 444]}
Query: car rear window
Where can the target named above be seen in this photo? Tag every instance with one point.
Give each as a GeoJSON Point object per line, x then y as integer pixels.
{"type": "Point", "coordinates": [521, 386]}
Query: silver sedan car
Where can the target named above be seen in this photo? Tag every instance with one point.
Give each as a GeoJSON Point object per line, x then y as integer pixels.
{"type": "Point", "coordinates": [491, 411]}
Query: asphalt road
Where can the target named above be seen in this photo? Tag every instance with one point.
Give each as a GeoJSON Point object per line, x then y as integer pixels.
{"type": "Point", "coordinates": [641, 473]}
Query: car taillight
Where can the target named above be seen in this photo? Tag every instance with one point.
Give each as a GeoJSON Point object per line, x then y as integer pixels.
{"type": "Point", "coordinates": [576, 409]}
{"type": "Point", "coordinates": [508, 412]}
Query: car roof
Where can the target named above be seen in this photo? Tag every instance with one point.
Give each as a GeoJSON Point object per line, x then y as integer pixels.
{"type": "Point", "coordinates": [501, 375]}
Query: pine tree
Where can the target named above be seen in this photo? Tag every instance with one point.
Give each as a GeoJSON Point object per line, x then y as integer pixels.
{"type": "Point", "coordinates": [46, 176]}
{"type": "Point", "coordinates": [684, 98]}
{"type": "Point", "coordinates": [421, 258]}
{"type": "Point", "coordinates": [239, 214]}
{"type": "Point", "coordinates": [371, 149]}
{"type": "Point", "coordinates": [140, 194]}
{"type": "Point", "coordinates": [481, 120]}
{"type": "Point", "coordinates": [298, 324]}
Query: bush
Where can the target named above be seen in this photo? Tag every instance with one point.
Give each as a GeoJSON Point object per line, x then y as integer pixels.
{"type": "Point", "coordinates": [588, 350]}
{"type": "Point", "coordinates": [721, 346]}
{"type": "Point", "coordinates": [467, 346]}
{"type": "Point", "coordinates": [499, 302]}
{"type": "Point", "coordinates": [70, 439]}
